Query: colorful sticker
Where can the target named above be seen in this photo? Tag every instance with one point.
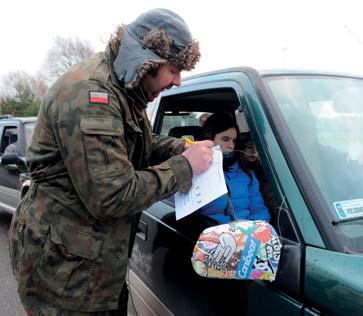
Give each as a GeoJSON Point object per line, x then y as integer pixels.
{"type": "Point", "coordinates": [349, 208]}
{"type": "Point", "coordinates": [238, 250]}
{"type": "Point", "coordinates": [248, 258]}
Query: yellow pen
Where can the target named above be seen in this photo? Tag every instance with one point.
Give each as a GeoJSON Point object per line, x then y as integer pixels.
{"type": "Point", "coordinates": [188, 140]}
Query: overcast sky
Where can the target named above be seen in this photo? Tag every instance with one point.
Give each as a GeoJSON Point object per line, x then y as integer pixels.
{"type": "Point", "coordinates": [264, 34]}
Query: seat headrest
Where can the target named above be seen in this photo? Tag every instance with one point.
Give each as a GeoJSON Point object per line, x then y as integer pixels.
{"type": "Point", "coordinates": [180, 131]}
{"type": "Point", "coordinates": [13, 138]}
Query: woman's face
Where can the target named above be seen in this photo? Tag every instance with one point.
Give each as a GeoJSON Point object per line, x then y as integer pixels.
{"type": "Point", "coordinates": [226, 139]}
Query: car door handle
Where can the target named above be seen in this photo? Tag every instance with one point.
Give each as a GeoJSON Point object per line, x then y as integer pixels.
{"type": "Point", "coordinates": [142, 230]}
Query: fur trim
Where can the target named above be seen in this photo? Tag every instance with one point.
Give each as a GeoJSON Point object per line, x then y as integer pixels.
{"type": "Point", "coordinates": [163, 45]}
{"type": "Point", "coordinates": [117, 37]}
{"type": "Point", "coordinates": [147, 67]}
{"type": "Point", "coordinates": [189, 56]}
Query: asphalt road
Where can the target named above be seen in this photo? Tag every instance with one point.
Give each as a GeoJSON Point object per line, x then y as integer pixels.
{"type": "Point", "coordinates": [9, 301]}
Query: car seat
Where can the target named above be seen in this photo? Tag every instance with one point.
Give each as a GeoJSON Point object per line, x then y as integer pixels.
{"type": "Point", "coordinates": [180, 131]}
{"type": "Point", "coordinates": [13, 138]}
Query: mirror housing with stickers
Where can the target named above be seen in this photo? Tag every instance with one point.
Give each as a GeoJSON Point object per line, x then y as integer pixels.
{"type": "Point", "coordinates": [307, 128]}
{"type": "Point", "coordinates": [241, 250]}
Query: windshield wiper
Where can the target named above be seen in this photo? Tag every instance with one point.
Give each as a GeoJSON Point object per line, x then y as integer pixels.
{"type": "Point", "coordinates": [345, 220]}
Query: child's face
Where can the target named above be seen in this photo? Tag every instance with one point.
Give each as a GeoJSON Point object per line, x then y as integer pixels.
{"type": "Point", "coordinates": [250, 152]}
{"type": "Point", "coordinates": [226, 139]}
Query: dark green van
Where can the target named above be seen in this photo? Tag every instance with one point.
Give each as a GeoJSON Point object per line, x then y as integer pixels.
{"type": "Point", "coordinates": [308, 129]}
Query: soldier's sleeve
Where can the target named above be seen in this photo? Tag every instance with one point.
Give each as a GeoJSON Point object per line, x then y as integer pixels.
{"type": "Point", "coordinates": [165, 147]}
{"type": "Point", "coordinates": [90, 134]}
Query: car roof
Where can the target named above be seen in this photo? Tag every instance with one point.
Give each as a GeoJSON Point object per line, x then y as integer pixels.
{"type": "Point", "coordinates": [291, 72]}
{"type": "Point", "coordinates": [273, 72]}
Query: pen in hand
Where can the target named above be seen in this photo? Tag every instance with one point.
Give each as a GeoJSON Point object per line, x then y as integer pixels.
{"type": "Point", "coordinates": [188, 141]}
{"type": "Point", "coordinates": [199, 154]}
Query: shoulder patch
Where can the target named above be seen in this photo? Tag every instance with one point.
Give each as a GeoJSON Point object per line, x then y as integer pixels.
{"type": "Point", "coordinates": [98, 97]}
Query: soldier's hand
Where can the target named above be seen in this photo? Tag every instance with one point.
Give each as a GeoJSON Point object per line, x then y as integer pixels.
{"type": "Point", "coordinates": [199, 155]}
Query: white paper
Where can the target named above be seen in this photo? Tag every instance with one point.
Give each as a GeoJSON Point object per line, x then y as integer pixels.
{"type": "Point", "coordinates": [206, 187]}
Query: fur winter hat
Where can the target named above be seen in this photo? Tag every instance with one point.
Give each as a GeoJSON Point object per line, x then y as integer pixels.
{"type": "Point", "coordinates": [154, 38]}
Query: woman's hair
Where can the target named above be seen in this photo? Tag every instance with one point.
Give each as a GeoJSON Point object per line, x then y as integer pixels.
{"type": "Point", "coordinates": [220, 122]}
{"type": "Point", "coordinates": [217, 123]}
{"type": "Point", "coordinates": [246, 140]}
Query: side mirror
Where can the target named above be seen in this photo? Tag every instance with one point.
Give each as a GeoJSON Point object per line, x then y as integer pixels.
{"type": "Point", "coordinates": [9, 159]}
{"type": "Point", "coordinates": [245, 250]}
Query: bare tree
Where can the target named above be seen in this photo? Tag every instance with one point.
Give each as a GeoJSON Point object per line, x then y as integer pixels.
{"type": "Point", "coordinates": [21, 91]}
{"type": "Point", "coordinates": [64, 54]}
{"type": "Point", "coordinates": [38, 85]}
{"type": "Point", "coordinates": [18, 87]}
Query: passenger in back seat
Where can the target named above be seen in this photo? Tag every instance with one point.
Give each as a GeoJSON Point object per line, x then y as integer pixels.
{"type": "Point", "coordinates": [203, 118]}
{"type": "Point", "coordinates": [250, 153]}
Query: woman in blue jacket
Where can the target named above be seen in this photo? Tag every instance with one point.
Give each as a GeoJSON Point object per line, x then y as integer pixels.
{"type": "Point", "coordinates": [243, 200]}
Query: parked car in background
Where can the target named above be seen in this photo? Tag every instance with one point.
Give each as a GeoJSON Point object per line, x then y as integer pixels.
{"type": "Point", "coordinates": [308, 129]}
{"type": "Point", "coordinates": [15, 136]}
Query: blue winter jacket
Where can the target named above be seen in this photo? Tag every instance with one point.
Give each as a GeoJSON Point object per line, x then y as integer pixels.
{"type": "Point", "coordinates": [244, 195]}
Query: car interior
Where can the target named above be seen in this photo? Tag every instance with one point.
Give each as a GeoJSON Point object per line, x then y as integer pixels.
{"type": "Point", "coordinates": [180, 118]}
{"type": "Point", "coordinates": [193, 131]}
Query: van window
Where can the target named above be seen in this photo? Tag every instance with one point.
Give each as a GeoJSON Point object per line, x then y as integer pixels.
{"type": "Point", "coordinates": [9, 137]}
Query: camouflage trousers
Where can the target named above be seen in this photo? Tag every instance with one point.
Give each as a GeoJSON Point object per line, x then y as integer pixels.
{"type": "Point", "coordinates": [35, 306]}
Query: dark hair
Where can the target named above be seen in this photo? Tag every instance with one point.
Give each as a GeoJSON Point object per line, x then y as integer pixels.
{"type": "Point", "coordinates": [246, 140]}
{"type": "Point", "coordinates": [217, 123]}
{"type": "Point", "coordinates": [153, 72]}
{"type": "Point", "coordinates": [220, 122]}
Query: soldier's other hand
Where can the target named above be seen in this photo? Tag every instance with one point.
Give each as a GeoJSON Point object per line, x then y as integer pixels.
{"type": "Point", "coordinates": [200, 156]}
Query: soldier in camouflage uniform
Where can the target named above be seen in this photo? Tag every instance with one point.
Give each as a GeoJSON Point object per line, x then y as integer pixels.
{"type": "Point", "coordinates": [94, 163]}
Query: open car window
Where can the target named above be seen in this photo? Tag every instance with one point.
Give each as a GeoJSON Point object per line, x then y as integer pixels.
{"type": "Point", "coordinates": [185, 120]}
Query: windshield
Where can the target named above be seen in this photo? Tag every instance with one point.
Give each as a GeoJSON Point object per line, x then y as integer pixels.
{"type": "Point", "coordinates": [28, 128]}
{"type": "Point", "coordinates": [325, 117]}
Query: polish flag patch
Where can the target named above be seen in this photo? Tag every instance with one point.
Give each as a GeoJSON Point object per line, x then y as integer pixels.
{"type": "Point", "coordinates": [98, 97]}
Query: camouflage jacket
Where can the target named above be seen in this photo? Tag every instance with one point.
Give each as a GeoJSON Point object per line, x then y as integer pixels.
{"type": "Point", "coordinates": [94, 163]}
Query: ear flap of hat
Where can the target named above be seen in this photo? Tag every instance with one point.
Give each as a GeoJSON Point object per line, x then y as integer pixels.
{"type": "Point", "coordinates": [133, 61]}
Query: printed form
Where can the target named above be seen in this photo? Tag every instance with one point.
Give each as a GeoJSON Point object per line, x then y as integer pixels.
{"type": "Point", "coordinates": [206, 187]}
